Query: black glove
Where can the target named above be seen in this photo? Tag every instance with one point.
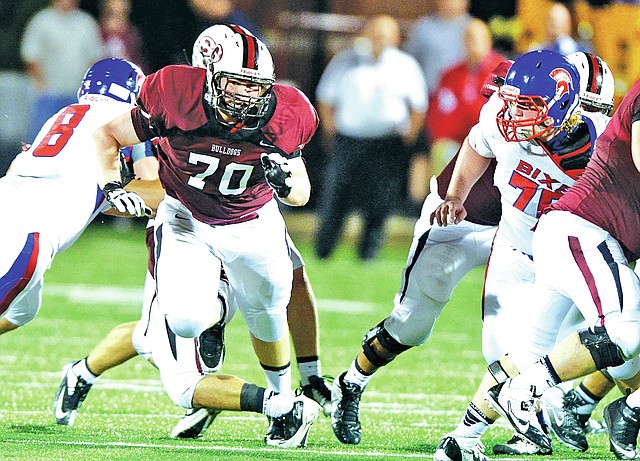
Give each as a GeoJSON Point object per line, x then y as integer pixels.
{"type": "Point", "coordinates": [123, 201]}
{"type": "Point", "coordinates": [126, 168]}
{"type": "Point", "coordinates": [277, 173]}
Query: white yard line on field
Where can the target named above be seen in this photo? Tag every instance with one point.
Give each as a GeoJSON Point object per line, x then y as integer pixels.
{"type": "Point", "coordinates": [104, 294]}
{"type": "Point", "coordinates": [94, 293]}
{"type": "Point", "coordinates": [219, 448]}
{"type": "Point", "coordinates": [376, 400]}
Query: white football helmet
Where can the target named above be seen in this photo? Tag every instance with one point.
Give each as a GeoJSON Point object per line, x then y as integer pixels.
{"type": "Point", "coordinates": [231, 52]}
{"type": "Point", "coordinates": [597, 85]}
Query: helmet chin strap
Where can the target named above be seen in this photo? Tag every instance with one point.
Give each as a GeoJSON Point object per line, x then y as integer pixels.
{"type": "Point", "coordinates": [239, 124]}
{"type": "Point", "coordinates": [226, 119]}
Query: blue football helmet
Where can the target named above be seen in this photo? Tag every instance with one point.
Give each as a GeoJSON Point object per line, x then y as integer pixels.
{"type": "Point", "coordinates": [540, 93]}
{"type": "Point", "coordinates": [113, 78]}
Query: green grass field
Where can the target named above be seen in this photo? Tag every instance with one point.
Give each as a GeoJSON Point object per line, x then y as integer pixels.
{"type": "Point", "coordinates": [97, 284]}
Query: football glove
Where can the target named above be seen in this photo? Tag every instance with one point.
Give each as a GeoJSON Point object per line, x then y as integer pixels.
{"type": "Point", "coordinates": [277, 173]}
{"type": "Point", "coordinates": [124, 201]}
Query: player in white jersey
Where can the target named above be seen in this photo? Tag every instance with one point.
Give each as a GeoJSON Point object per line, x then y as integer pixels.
{"type": "Point", "coordinates": [534, 167]}
{"type": "Point", "coordinates": [438, 259]}
{"type": "Point", "coordinates": [583, 245]}
{"type": "Point", "coordinates": [51, 191]}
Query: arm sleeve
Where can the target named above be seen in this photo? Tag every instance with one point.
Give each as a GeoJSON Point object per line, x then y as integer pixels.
{"type": "Point", "coordinates": [486, 127]}
{"type": "Point", "coordinates": [142, 150]}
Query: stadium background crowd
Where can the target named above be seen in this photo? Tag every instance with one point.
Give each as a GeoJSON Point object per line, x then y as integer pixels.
{"type": "Point", "coordinates": [303, 36]}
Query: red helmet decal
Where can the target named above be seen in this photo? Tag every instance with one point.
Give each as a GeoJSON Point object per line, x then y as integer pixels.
{"type": "Point", "coordinates": [216, 54]}
{"type": "Point", "coordinates": [562, 78]}
{"type": "Point", "coordinates": [206, 45]}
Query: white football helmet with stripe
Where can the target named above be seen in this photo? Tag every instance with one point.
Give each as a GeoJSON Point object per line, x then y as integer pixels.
{"type": "Point", "coordinates": [597, 86]}
{"type": "Point", "coordinates": [231, 52]}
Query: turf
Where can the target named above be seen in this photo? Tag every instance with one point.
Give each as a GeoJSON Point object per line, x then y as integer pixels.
{"type": "Point", "coordinates": [97, 284]}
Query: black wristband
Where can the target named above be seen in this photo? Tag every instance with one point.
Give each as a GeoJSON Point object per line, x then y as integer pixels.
{"type": "Point", "coordinates": [111, 186]}
{"type": "Point", "coordinates": [281, 191]}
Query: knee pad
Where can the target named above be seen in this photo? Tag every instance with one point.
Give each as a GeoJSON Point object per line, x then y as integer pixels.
{"type": "Point", "coordinates": [412, 321]}
{"type": "Point", "coordinates": [187, 327]}
{"type": "Point", "coordinates": [191, 321]}
{"type": "Point", "coordinates": [267, 326]}
{"type": "Point", "coordinates": [626, 371]}
{"type": "Point", "coordinates": [386, 341]}
{"type": "Point", "coordinates": [20, 317]}
{"type": "Point", "coordinates": [25, 309]}
{"type": "Point", "coordinates": [605, 353]}
{"type": "Point", "coordinates": [180, 386]}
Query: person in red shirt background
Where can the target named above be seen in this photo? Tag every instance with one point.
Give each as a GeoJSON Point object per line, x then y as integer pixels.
{"type": "Point", "coordinates": [455, 104]}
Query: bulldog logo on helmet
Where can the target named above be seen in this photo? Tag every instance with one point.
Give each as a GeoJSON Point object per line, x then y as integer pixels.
{"type": "Point", "coordinates": [563, 79]}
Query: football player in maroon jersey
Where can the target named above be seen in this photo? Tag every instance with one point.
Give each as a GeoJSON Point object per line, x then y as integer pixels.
{"type": "Point", "coordinates": [118, 346]}
{"type": "Point", "coordinates": [229, 139]}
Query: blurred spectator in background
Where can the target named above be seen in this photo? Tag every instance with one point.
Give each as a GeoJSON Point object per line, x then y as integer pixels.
{"type": "Point", "coordinates": [15, 14]}
{"type": "Point", "coordinates": [371, 99]}
{"type": "Point", "coordinates": [559, 33]}
{"type": "Point", "coordinates": [455, 103]}
{"type": "Point", "coordinates": [16, 98]}
{"type": "Point", "coordinates": [121, 38]}
{"type": "Point", "coordinates": [501, 17]}
{"type": "Point", "coordinates": [210, 12]}
{"type": "Point", "coordinates": [436, 41]}
{"type": "Point", "coordinates": [58, 45]}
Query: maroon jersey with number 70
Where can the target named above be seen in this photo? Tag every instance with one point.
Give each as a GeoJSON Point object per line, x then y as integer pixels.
{"type": "Point", "coordinates": [216, 174]}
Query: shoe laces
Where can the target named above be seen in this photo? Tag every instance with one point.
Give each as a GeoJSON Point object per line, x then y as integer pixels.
{"type": "Point", "coordinates": [478, 448]}
{"type": "Point", "coordinates": [628, 431]}
{"type": "Point", "coordinates": [570, 402]}
{"type": "Point", "coordinates": [534, 401]}
{"type": "Point", "coordinates": [350, 403]}
{"type": "Point", "coordinates": [79, 392]}
{"type": "Point", "coordinates": [530, 404]}
{"type": "Point", "coordinates": [285, 426]}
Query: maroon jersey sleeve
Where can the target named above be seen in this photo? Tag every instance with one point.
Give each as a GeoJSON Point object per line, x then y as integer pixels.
{"type": "Point", "coordinates": [167, 101]}
{"type": "Point", "coordinates": [483, 202]}
{"type": "Point", "coordinates": [294, 121]}
{"type": "Point", "coordinates": [608, 193]}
